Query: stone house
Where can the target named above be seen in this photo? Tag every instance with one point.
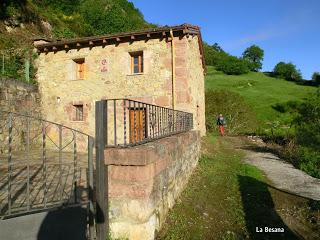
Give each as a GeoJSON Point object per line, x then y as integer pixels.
{"type": "Point", "coordinates": [163, 66]}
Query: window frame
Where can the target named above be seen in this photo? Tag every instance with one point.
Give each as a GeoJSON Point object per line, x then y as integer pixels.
{"type": "Point", "coordinates": [137, 55]}
{"type": "Point", "coordinates": [79, 68]}
{"type": "Point", "coordinates": [78, 114]}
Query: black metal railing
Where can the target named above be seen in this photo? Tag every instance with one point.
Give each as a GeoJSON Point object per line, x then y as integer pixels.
{"type": "Point", "coordinates": [43, 165]}
{"type": "Point", "coordinates": [130, 122]}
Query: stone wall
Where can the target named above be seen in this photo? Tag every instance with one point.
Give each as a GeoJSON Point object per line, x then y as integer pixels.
{"type": "Point", "coordinates": [145, 181]}
{"type": "Point", "coordinates": [108, 75]}
{"type": "Point", "coordinates": [18, 97]}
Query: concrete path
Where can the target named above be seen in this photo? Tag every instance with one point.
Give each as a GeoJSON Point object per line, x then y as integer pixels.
{"type": "Point", "coordinates": [284, 175]}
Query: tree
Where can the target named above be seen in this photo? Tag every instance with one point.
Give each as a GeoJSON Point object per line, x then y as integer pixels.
{"type": "Point", "coordinates": [213, 54]}
{"type": "Point", "coordinates": [316, 77]}
{"type": "Point", "coordinates": [254, 55]}
{"type": "Point", "coordinates": [287, 71]}
{"type": "Point", "coordinates": [104, 17]}
{"type": "Point", "coordinates": [232, 65]}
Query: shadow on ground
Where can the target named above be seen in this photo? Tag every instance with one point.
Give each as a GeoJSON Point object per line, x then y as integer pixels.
{"type": "Point", "coordinates": [64, 224]}
{"type": "Point", "coordinates": [260, 211]}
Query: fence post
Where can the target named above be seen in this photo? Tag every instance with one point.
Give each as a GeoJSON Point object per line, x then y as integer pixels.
{"type": "Point", "coordinates": [27, 69]}
{"type": "Point", "coordinates": [3, 64]}
{"type": "Point", "coordinates": [102, 218]}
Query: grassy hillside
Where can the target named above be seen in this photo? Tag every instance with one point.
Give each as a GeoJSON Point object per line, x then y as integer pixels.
{"type": "Point", "coordinates": [261, 92]}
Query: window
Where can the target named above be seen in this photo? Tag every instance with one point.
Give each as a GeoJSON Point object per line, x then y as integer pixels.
{"type": "Point", "coordinates": [79, 68]}
{"type": "Point", "coordinates": [78, 112]}
{"type": "Point", "coordinates": [136, 62]}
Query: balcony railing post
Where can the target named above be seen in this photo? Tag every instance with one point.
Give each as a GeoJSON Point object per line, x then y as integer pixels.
{"type": "Point", "coordinates": [134, 123]}
{"type": "Point", "coordinates": [124, 122]}
{"type": "Point", "coordinates": [115, 121]}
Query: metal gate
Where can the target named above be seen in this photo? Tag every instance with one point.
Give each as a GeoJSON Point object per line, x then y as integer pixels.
{"type": "Point", "coordinates": [43, 166]}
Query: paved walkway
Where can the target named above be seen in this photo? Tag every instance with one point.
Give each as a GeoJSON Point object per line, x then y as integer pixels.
{"type": "Point", "coordinates": [284, 175]}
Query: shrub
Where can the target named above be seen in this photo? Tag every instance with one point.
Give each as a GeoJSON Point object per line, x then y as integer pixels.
{"type": "Point", "coordinates": [316, 77]}
{"type": "Point", "coordinates": [308, 122]}
{"type": "Point", "coordinates": [308, 135]}
{"type": "Point", "coordinates": [232, 65]}
{"type": "Point", "coordinates": [309, 161]}
{"type": "Point", "coordinates": [287, 71]}
{"type": "Point", "coordinates": [289, 106]}
{"type": "Point", "coordinates": [239, 115]}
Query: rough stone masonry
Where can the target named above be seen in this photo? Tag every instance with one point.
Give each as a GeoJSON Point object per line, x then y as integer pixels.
{"type": "Point", "coordinates": [145, 181]}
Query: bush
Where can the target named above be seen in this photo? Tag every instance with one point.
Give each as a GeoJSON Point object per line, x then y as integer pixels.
{"type": "Point", "coordinates": [309, 161]}
{"type": "Point", "coordinates": [232, 65]}
{"type": "Point", "coordinates": [287, 71]}
{"type": "Point", "coordinates": [316, 77]}
{"type": "Point", "coordinates": [289, 106]}
{"type": "Point", "coordinates": [308, 122]}
{"type": "Point", "coordinates": [308, 135]}
{"type": "Point", "coordinates": [239, 115]}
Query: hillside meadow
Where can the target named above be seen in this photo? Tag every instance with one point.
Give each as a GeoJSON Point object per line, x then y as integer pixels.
{"type": "Point", "coordinates": [261, 92]}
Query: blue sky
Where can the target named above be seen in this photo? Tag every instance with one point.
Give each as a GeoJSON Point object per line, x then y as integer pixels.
{"type": "Point", "coordinates": [287, 30]}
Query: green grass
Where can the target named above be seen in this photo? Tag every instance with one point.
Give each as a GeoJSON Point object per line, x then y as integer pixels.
{"type": "Point", "coordinates": [227, 199]}
{"type": "Point", "coordinates": [260, 91]}
{"type": "Point", "coordinates": [211, 205]}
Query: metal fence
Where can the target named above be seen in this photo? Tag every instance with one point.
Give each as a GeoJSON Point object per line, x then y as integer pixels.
{"type": "Point", "coordinates": [131, 122]}
{"type": "Point", "coordinates": [43, 165]}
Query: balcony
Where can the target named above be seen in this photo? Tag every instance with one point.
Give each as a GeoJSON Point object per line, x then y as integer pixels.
{"type": "Point", "coordinates": [130, 123]}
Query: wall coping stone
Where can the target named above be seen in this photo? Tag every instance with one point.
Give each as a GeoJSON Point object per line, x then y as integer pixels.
{"type": "Point", "coordinates": [17, 83]}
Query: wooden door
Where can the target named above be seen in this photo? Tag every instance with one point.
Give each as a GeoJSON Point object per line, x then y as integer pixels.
{"type": "Point", "coordinates": [137, 125]}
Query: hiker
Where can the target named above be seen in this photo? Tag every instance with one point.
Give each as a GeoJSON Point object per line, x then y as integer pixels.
{"type": "Point", "coordinates": [221, 123]}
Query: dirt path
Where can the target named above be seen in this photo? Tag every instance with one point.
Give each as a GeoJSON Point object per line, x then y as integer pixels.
{"type": "Point", "coordinates": [285, 176]}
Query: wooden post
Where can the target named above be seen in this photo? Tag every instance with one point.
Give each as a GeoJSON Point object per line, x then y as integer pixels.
{"type": "Point", "coordinates": [3, 64]}
{"type": "Point", "coordinates": [27, 69]}
{"type": "Point", "coordinates": [102, 218]}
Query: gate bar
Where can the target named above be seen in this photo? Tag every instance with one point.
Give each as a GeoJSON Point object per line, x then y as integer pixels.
{"type": "Point", "coordinates": [101, 173]}
{"type": "Point", "coordinates": [90, 188]}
